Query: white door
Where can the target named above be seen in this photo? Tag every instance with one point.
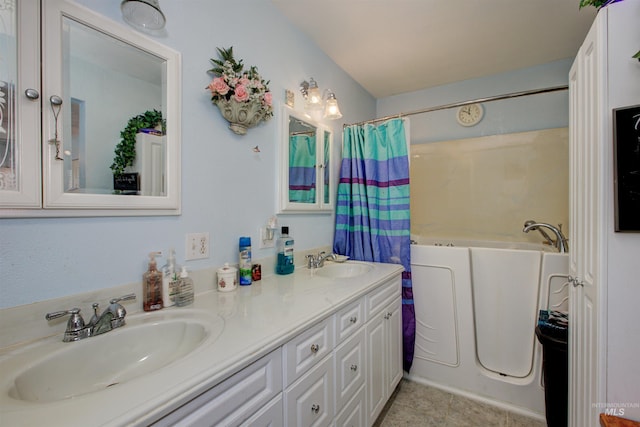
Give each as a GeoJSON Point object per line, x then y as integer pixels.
{"type": "Point", "coordinates": [587, 153]}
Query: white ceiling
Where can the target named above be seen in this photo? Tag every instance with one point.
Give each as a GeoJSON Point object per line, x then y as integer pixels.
{"type": "Point", "coordinates": [396, 46]}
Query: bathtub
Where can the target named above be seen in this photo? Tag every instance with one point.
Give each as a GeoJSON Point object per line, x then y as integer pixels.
{"type": "Point", "coordinates": [476, 309]}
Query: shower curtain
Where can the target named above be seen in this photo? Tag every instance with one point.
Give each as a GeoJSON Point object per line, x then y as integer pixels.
{"type": "Point", "coordinates": [372, 207]}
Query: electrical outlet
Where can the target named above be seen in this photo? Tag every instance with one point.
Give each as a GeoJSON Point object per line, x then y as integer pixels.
{"type": "Point", "coordinates": [197, 246]}
{"type": "Point", "coordinates": [264, 241]}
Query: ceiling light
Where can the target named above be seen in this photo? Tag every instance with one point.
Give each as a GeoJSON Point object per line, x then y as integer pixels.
{"type": "Point", "coordinates": [143, 14]}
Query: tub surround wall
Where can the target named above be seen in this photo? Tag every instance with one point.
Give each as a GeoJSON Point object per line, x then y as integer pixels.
{"type": "Point", "coordinates": [485, 188]}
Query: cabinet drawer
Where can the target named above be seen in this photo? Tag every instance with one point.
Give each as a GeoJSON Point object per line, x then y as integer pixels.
{"type": "Point", "coordinates": [305, 350]}
{"type": "Point", "coordinates": [235, 399]}
{"type": "Point", "coordinates": [348, 320]}
{"type": "Point", "coordinates": [379, 298]}
{"type": "Point", "coordinates": [309, 401]}
{"type": "Point", "coordinates": [349, 368]}
{"type": "Point", "coordinates": [269, 416]}
{"type": "Point", "coordinates": [354, 414]}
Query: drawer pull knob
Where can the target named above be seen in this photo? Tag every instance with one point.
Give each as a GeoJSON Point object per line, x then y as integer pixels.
{"type": "Point", "coordinates": [388, 315]}
{"type": "Point", "coordinates": [315, 348]}
{"type": "Point", "coordinates": [315, 408]}
{"type": "Point", "coordinates": [353, 319]}
{"type": "Point", "coordinates": [354, 368]}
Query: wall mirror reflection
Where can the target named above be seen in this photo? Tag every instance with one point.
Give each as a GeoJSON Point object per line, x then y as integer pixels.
{"type": "Point", "coordinates": [109, 83]}
{"type": "Point", "coordinates": [305, 173]}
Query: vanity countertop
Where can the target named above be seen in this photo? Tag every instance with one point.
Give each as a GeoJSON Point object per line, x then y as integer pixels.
{"type": "Point", "coordinates": [256, 320]}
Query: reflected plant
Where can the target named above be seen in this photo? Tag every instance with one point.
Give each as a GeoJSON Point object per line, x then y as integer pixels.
{"type": "Point", "coordinates": [125, 152]}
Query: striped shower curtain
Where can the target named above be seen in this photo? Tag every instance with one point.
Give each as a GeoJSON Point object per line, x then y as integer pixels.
{"type": "Point", "coordinates": [372, 207]}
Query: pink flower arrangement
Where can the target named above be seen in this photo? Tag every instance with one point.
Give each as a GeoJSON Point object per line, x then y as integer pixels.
{"type": "Point", "coordinates": [231, 81]}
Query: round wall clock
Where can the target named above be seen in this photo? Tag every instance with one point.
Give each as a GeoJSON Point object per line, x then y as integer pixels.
{"type": "Point", "coordinates": [470, 115]}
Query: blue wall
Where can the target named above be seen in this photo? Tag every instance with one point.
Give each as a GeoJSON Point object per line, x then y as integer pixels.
{"type": "Point", "coordinates": [227, 189]}
{"type": "Point", "coordinates": [541, 111]}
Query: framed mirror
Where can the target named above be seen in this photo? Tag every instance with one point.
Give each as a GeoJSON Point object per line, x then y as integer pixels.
{"type": "Point", "coordinates": [98, 76]}
{"type": "Point", "coordinates": [305, 173]}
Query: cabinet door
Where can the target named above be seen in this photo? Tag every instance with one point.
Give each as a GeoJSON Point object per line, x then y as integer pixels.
{"type": "Point", "coordinates": [353, 414]}
{"type": "Point", "coordinates": [375, 331]}
{"type": "Point", "coordinates": [394, 347]}
{"type": "Point", "coordinates": [309, 401]}
{"type": "Point", "coordinates": [20, 180]}
{"type": "Point", "coordinates": [349, 360]}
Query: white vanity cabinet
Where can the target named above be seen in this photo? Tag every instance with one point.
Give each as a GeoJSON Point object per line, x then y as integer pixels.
{"type": "Point", "coordinates": [308, 370]}
{"type": "Point", "coordinates": [383, 346]}
{"type": "Point", "coordinates": [320, 377]}
{"type": "Point", "coordinates": [250, 397]}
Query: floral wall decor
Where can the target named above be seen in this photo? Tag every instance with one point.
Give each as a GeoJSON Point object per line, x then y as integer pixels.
{"type": "Point", "coordinates": [242, 96]}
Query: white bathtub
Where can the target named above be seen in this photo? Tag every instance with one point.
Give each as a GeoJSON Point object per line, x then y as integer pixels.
{"type": "Point", "coordinates": [476, 309]}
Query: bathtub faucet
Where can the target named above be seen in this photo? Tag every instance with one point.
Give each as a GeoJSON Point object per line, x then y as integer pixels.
{"type": "Point", "coordinates": [560, 241]}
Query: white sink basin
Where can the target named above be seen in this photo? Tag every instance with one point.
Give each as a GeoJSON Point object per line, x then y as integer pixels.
{"type": "Point", "coordinates": [100, 362]}
{"type": "Point", "coordinates": [343, 270]}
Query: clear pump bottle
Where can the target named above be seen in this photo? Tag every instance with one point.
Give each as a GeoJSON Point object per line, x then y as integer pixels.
{"type": "Point", "coordinates": [184, 294]}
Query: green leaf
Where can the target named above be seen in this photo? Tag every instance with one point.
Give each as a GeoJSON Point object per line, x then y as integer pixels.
{"type": "Point", "coordinates": [125, 151]}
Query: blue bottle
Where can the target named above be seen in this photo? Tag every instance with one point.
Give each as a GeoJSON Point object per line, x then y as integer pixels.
{"type": "Point", "coordinates": [284, 264]}
{"type": "Point", "coordinates": [244, 264]}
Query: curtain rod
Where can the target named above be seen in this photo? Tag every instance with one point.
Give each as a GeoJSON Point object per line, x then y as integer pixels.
{"type": "Point", "coordinates": [463, 103]}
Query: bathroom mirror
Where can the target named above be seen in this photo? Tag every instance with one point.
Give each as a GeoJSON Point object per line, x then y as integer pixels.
{"type": "Point", "coordinates": [305, 175]}
{"type": "Point", "coordinates": [97, 75]}
{"type": "Point", "coordinates": [107, 74]}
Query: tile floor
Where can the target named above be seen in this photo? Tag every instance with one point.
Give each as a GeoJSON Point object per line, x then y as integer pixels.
{"type": "Point", "coordinates": [416, 405]}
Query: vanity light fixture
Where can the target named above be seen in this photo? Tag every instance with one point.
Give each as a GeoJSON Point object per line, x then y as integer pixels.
{"type": "Point", "coordinates": [143, 15]}
{"type": "Point", "coordinates": [311, 93]}
{"type": "Point", "coordinates": [331, 109]}
{"type": "Point", "coordinates": [315, 100]}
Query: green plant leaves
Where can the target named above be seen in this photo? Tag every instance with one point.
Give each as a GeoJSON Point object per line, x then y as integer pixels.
{"type": "Point", "coordinates": [125, 151]}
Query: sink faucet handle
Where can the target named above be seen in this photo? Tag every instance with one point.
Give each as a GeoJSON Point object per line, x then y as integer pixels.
{"type": "Point", "coordinates": [311, 261]}
{"type": "Point", "coordinates": [117, 309]}
{"type": "Point", "coordinates": [94, 318]}
{"type": "Point", "coordinates": [75, 323]}
{"type": "Point", "coordinates": [126, 297]}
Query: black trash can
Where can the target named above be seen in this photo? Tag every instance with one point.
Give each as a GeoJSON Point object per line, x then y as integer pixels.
{"type": "Point", "coordinates": [555, 369]}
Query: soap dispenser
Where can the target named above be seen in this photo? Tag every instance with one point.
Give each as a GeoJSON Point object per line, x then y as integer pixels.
{"type": "Point", "coordinates": [170, 277]}
{"type": "Point", "coordinates": [152, 285]}
{"type": "Point", "coordinates": [184, 295]}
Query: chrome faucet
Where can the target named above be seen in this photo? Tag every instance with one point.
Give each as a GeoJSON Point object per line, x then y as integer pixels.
{"type": "Point", "coordinates": [113, 317]}
{"type": "Point", "coordinates": [317, 261]}
{"type": "Point", "coordinates": [560, 242]}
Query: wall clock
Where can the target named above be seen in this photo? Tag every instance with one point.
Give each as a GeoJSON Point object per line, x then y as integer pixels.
{"type": "Point", "coordinates": [470, 115]}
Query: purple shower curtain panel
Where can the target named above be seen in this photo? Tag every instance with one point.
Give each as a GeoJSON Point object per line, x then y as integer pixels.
{"type": "Point", "coordinates": [372, 207]}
